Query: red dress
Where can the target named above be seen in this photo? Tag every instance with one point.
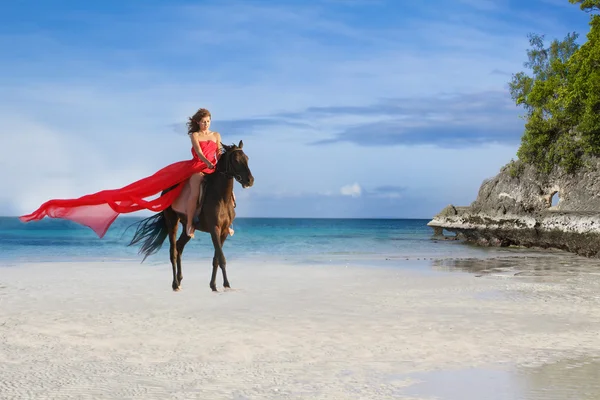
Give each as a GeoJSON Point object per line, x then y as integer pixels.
{"type": "Point", "coordinates": [99, 210]}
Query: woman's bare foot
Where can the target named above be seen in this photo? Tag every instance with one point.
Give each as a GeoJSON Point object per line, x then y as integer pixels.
{"type": "Point", "coordinates": [190, 231]}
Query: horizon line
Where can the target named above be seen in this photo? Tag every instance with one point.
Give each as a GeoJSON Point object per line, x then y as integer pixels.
{"type": "Point", "coordinates": [332, 218]}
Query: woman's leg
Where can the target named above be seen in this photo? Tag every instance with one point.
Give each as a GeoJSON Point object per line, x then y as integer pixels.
{"type": "Point", "coordinates": [195, 191]}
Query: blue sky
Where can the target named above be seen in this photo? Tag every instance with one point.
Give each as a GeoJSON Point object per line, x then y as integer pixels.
{"type": "Point", "coordinates": [347, 108]}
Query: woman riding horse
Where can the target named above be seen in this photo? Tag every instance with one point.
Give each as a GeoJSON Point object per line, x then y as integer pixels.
{"type": "Point", "coordinates": [99, 210]}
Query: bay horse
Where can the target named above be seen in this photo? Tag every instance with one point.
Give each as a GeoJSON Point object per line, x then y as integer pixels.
{"type": "Point", "coordinates": [215, 216]}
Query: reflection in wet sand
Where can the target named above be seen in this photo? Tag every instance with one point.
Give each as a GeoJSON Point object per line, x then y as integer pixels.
{"type": "Point", "coordinates": [577, 379]}
{"type": "Point", "coordinates": [566, 379]}
{"type": "Point", "coordinates": [553, 267]}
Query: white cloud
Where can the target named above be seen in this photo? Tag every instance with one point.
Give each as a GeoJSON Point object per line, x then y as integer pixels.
{"type": "Point", "coordinates": [353, 190]}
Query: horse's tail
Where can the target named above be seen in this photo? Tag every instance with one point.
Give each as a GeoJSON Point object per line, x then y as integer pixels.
{"type": "Point", "coordinates": [153, 232]}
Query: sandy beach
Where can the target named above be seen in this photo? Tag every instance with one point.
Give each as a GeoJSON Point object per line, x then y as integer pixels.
{"type": "Point", "coordinates": [514, 328]}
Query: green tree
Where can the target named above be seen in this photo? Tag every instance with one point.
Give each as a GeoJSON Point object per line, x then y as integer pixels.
{"type": "Point", "coordinates": [587, 5]}
{"type": "Point", "coordinates": [540, 95]}
{"type": "Point", "coordinates": [561, 98]}
{"type": "Point", "coordinates": [582, 99]}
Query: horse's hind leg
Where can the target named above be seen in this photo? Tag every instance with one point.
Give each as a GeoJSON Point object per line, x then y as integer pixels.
{"type": "Point", "coordinates": [215, 265]}
{"type": "Point", "coordinates": [181, 242]}
{"type": "Point", "coordinates": [218, 256]}
{"type": "Point", "coordinates": [172, 221]}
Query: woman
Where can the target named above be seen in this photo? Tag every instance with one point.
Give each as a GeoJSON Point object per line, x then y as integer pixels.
{"type": "Point", "coordinates": [201, 138]}
{"type": "Point", "coordinates": [99, 210]}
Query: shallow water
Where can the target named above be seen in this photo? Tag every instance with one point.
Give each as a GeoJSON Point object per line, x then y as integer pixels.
{"type": "Point", "coordinates": [577, 379]}
{"type": "Point", "coordinates": [57, 240]}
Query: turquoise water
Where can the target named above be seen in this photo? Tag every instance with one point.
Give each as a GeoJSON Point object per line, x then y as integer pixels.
{"type": "Point", "coordinates": [58, 240]}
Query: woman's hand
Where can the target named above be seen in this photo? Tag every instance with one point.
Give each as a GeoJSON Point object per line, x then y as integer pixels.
{"type": "Point", "coordinates": [210, 165]}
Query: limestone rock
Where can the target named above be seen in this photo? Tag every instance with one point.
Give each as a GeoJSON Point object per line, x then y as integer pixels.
{"type": "Point", "coordinates": [515, 208]}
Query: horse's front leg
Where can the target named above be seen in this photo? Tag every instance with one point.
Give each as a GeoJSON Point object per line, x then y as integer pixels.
{"type": "Point", "coordinates": [218, 258]}
{"type": "Point", "coordinates": [223, 261]}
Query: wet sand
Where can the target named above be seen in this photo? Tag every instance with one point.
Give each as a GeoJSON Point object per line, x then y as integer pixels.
{"type": "Point", "coordinates": [501, 328]}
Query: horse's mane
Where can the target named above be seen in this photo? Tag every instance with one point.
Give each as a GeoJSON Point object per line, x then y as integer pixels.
{"type": "Point", "coordinates": [228, 147]}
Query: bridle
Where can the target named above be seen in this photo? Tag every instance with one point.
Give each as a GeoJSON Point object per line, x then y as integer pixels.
{"type": "Point", "coordinates": [229, 171]}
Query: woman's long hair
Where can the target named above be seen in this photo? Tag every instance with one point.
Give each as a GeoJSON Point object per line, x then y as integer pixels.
{"type": "Point", "coordinates": [193, 125]}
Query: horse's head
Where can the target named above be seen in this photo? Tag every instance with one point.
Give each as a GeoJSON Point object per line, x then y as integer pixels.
{"type": "Point", "coordinates": [234, 163]}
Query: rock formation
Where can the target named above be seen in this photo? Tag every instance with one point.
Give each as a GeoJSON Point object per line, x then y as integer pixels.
{"type": "Point", "coordinates": [515, 208]}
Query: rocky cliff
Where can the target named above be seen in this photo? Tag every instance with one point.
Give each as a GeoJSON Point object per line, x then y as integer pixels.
{"type": "Point", "coordinates": [516, 208]}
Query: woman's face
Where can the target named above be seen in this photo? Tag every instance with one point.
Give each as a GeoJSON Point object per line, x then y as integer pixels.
{"type": "Point", "coordinates": [204, 123]}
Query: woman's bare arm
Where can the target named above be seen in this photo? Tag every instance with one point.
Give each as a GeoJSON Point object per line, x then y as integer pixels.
{"type": "Point", "coordinates": [196, 146]}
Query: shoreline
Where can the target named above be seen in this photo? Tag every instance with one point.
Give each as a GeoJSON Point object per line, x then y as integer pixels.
{"type": "Point", "coordinates": [465, 251]}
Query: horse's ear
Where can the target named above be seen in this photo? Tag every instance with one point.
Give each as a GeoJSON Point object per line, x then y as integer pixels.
{"type": "Point", "coordinates": [241, 144]}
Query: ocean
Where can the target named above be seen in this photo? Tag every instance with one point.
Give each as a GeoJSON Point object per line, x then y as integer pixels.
{"type": "Point", "coordinates": [52, 240]}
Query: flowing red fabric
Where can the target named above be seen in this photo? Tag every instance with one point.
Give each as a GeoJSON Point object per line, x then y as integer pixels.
{"type": "Point", "coordinates": [99, 210]}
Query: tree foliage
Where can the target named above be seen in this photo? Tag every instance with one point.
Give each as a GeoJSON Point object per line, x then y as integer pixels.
{"type": "Point", "coordinates": [587, 5]}
{"type": "Point", "coordinates": [561, 98]}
